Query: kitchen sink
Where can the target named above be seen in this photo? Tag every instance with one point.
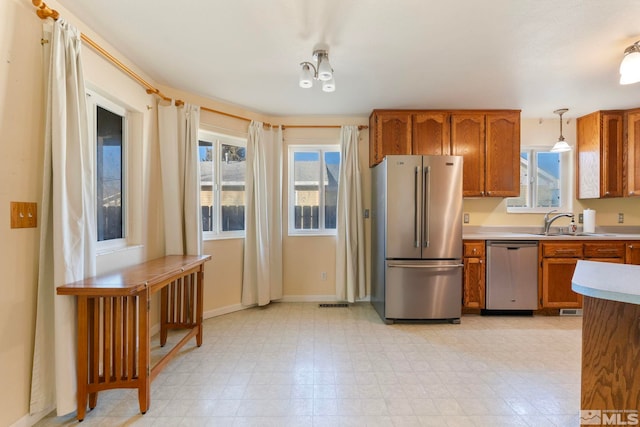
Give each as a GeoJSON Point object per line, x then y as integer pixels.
{"type": "Point", "coordinates": [572, 235]}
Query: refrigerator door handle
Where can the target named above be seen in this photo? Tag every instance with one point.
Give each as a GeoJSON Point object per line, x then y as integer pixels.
{"type": "Point", "coordinates": [425, 265]}
{"type": "Point", "coordinates": [426, 205]}
{"type": "Point", "coordinates": [416, 229]}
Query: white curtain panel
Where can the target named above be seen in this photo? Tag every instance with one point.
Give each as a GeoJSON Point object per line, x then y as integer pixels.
{"type": "Point", "coordinates": [350, 270]}
{"type": "Point", "coordinates": [68, 223]}
{"type": "Point", "coordinates": [262, 278]}
{"type": "Point", "coordinates": [179, 161]}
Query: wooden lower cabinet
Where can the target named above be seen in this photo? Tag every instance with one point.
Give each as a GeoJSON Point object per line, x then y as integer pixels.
{"type": "Point", "coordinates": [556, 283]}
{"type": "Point", "coordinates": [473, 276]}
{"type": "Point", "coordinates": [632, 253]}
{"type": "Point", "coordinates": [558, 261]}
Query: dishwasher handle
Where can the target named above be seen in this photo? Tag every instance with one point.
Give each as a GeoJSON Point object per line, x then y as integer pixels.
{"type": "Point", "coordinates": [513, 245]}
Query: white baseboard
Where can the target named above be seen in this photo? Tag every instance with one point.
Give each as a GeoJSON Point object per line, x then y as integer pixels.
{"type": "Point", "coordinates": [225, 310]}
{"type": "Point", "coordinates": [30, 420]}
{"type": "Point", "coordinates": [316, 298]}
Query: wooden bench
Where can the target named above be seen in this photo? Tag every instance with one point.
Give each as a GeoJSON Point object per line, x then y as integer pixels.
{"type": "Point", "coordinates": [114, 348]}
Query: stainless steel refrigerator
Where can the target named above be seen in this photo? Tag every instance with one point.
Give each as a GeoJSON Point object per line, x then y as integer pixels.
{"type": "Point", "coordinates": [417, 238]}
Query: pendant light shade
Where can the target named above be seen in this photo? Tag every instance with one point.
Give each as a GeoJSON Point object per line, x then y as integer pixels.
{"type": "Point", "coordinates": [561, 146]}
{"type": "Point", "coordinates": [630, 65]}
{"type": "Point", "coordinates": [306, 76]}
{"type": "Point", "coordinates": [329, 85]}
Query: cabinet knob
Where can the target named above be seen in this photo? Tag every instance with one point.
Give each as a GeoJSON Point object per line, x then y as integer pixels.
{"type": "Point", "coordinates": [482, 193]}
{"type": "Point", "coordinates": [475, 250]}
{"type": "Point", "coordinates": [606, 193]}
{"type": "Point", "coordinates": [480, 261]}
{"type": "Point", "coordinates": [632, 193]}
{"type": "Point", "coordinates": [630, 246]}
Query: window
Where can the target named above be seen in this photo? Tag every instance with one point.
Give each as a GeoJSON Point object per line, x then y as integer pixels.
{"type": "Point", "coordinates": [222, 183]}
{"type": "Point", "coordinates": [313, 188]}
{"type": "Point", "coordinates": [542, 182]}
{"type": "Point", "coordinates": [108, 123]}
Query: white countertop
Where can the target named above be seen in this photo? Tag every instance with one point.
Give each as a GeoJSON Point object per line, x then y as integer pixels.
{"type": "Point", "coordinates": [533, 233]}
{"type": "Point", "coordinates": [610, 281]}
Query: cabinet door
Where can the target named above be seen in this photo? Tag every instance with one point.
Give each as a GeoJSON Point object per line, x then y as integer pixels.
{"type": "Point", "coordinates": [633, 153]}
{"type": "Point", "coordinates": [431, 134]}
{"type": "Point", "coordinates": [390, 134]}
{"type": "Point", "coordinates": [468, 141]}
{"type": "Point", "coordinates": [612, 166]}
{"type": "Point", "coordinates": [632, 255]}
{"type": "Point", "coordinates": [473, 283]}
{"type": "Point", "coordinates": [588, 156]}
{"type": "Point", "coordinates": [503, 155]}
{"type": "Point", "coordinates": [556, 283]}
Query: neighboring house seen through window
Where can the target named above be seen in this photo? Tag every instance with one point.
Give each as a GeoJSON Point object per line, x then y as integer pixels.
{"type": "Point", "coordinates": [542, 187]}
{"type": "Point", "coordinates": [222, 184]}
{"type": "Point", "coordinates": [313, 188]}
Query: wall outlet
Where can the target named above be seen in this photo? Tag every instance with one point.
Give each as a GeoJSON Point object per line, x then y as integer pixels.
{"type": "Point", "coordinates": [323, 276]}
{"type": "Point", "coordinates": [620, 218]}
{"type": "Point", "coordinates": [366, 213]}
{"type": "Point", "coordinates": [580, 218]}
{"type": "Point", "coordinates": [466, 218]}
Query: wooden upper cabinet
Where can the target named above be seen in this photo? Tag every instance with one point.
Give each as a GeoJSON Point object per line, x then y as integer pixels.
{"type": "Point", "coordinates": [488, 141]}
{"type": "Point", "coordinates": [599, 155]}
{"type": "Point", "coordinates": [502, 155]}
{"type": "Point", "coordinates": [468, 141]}
{"type": "Point", "coordinates": [431, 133]}
{"type": "Point", "coordinates": [390, 133]}
{"type": "Point", "coordinates": [632, 171]}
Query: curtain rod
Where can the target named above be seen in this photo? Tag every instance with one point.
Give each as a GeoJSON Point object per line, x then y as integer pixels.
{"type": "Point", "coordinates": [45, 12]}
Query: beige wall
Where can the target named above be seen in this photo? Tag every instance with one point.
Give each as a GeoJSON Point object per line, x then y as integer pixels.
{"type": "Point", "coordinates": [21, 127]}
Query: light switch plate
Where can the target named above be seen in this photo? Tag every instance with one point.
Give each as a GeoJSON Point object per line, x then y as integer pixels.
{"type": "Point", "coordinates": [24, 215]}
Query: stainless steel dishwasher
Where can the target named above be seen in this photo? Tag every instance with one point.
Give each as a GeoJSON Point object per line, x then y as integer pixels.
{"type": "Point", "coordinates": [512, 275]}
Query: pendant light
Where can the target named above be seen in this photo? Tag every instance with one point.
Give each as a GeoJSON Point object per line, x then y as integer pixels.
{"type": "Point", "coordinates": [630, 65]}
{"type": "Point", "coordinates": [561, 146]}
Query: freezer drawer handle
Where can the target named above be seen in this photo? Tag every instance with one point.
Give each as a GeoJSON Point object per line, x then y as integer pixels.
{"type": "Point", "coordinates": [426, 266]}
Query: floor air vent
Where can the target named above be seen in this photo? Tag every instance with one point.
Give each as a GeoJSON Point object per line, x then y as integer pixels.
{"type": "Point", "coordinates": [345, 305]}
{"type": "Point", "coordinates": [570, 312]}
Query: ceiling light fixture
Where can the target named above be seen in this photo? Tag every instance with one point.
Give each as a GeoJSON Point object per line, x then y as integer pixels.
{"type": "Point", "coordinates": [321, 70]}
{"type": "Point", "coordinates": [561, 146]}
{"type": "Point", "coordinates": [630, 65]}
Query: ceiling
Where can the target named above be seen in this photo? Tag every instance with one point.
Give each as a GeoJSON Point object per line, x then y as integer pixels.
{"type": "Point", "coordinates": [533, 55]}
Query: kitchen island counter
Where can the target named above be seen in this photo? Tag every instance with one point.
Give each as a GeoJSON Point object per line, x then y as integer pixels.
{"type": "Point", "coordinates": [610, 384]}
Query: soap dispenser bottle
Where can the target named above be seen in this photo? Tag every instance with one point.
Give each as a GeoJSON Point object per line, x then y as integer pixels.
{"type": "Point", "coordinates": [572, 226]}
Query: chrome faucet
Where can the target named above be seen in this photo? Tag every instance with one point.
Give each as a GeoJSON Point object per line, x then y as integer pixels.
{"type": "Point", "coordinates": [548, 221]}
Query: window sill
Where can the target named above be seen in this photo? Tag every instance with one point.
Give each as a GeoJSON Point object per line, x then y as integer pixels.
{"type": "Point", "coordinates": [108, 251]}
{"type": "Point", "coordinates": [223, 237]}
{"type": "Point", "coordinates": [313, 234]}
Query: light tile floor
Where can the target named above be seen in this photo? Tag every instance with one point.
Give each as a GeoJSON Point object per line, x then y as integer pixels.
{"type": "Point", "coordinates": [301, 365]}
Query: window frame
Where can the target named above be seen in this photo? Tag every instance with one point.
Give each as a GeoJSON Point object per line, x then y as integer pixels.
{"type": "Point", "coordinates": [565, 202]}
{"type": "Point", "coordinates": [217, 140]}
{"type": "Point", "coordinates": [322, 149]}
{"type": "Point", "coordinates": [94, 100]}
